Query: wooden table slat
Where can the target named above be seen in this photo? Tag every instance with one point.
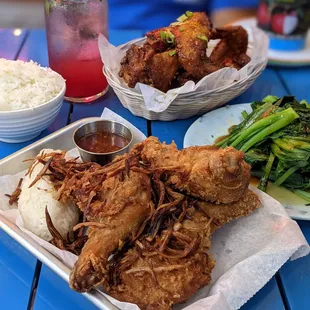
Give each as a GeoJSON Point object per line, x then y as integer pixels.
{"type": "Point", "coordinates": [17, 267]}
{"type": "Point", "coordinates": [295, 278]}
{"type": "Point", "coordinates": [268, 298]}
{"type": "Point", "coordinates": [297, 81]}
{"type": "Point", "coordinates": [118, 37]}
{"type": "Point", "coordinates": [54, 293]}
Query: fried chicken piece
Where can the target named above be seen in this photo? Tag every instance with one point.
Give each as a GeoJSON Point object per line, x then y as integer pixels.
{"type": "Point", "coordinates": [142, 65]}
{"type": "Point", "coordinates": [157, 277]}
{"type": "Point", "coordinates": [231, 50]}
{"type": "Point", "coordinates": [190, 40]}
{"type": "Point", "coordinates": [192, 43]}
{"type": "Point", "coordinates": [205, 172]}
{"type": "Point", "coordinates": [117, 212]}
{"type": "Point", "coordinates": [134, 65]}
{"type": "Point", "coordinates": [155, 39]}
{"type": "Point", "coordinates": [158, 273]}
{"type": "Point", "coordinates": [225, 213]}
{"type": "Point", "coordinates": [156, 283]}
{"type": "Point", "coordinates": [242, 59]}
{"type": "Point", "coordinates": [211, 174]}
{"type": "Point", "coordinates": [162, 69]}
{"type": "Point", "coordinates": [183, 77]}
{"type": "Point", "coordinates": [138, 202]}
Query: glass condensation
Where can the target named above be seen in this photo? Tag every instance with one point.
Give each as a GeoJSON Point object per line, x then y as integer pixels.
{"type": "Point", "coordinates": [72, 28]}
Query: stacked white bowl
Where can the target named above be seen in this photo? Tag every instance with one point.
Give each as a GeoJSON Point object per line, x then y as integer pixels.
{"type": "Point", "coordinates": [23, 125]}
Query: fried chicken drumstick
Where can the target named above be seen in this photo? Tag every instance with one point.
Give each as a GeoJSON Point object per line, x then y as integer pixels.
{"type": "Point", "coordinates": [208, 173]}
{"type": "Point", "coordinates": [173, 55]}
{"type": "Point", "coordinates": [155, 210]}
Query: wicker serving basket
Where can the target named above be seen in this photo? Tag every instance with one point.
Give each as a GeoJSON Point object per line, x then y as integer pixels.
{"type": "Point", "coordinates": [185, 105]}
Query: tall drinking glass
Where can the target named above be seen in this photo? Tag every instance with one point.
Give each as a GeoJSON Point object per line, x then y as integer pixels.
{"type": "Point", "coordinates": [72, 28]}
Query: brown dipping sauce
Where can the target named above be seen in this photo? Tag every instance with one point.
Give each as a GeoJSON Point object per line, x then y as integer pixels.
{"type": "Point", "coordinates": [102, 142]}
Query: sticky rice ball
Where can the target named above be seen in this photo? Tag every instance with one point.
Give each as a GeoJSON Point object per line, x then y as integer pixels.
{"type": "Point", "coordinates": [33, 201]}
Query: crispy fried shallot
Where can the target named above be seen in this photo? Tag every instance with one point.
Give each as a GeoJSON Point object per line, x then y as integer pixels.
{"type": "Point", "coordinates": [15, 195]}
{"type": "Point", "coordinates": [75, 246]}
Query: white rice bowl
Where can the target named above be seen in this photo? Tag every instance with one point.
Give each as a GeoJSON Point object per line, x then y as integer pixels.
{"type": "Point", "coordinates": [33, 201]}
{"type": "Point", "coordinates": [26, 85]}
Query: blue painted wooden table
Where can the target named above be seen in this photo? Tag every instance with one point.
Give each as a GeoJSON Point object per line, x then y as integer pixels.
{"type": "Point", "coordinates": [25, 284]}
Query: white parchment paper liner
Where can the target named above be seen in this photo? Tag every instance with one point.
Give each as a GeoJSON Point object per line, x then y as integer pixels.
{"type": "Point", "coordinates": [157, 101]}
{"type": "Point", "coordinates": [248, 251]}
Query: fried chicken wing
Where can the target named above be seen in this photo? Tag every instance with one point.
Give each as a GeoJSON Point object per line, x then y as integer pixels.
{"type": "Point", "coordinates": [231, 50]}
{"type": "Point", "coordinates": [134, 65]}
{"type": "Point", "coordinates": [162, 69]}
{"type": "Point", "coordinates": [142, 65]}
{"type": "Point", "coordinates": [192, 43]}
{"type": "Point", "coordinates": [155, 39]}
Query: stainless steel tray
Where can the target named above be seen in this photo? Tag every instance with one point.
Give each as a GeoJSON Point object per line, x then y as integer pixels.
{"type": "Point", "coordinates": [61, 139]}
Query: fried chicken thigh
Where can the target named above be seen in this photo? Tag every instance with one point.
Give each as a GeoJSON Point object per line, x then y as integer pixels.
{"type": "Point", "coordinates": [169, 267]}
{"type": "Point", "coordinates": [156, 275]}
{"type": "Point", "coordinates": [157, 283]}
{"type": "Point", "coordinates": [224, 213]}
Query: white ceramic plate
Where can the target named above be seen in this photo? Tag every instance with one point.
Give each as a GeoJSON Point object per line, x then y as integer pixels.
{"type": "Point", "coordinates": [206, 129]}
{"type": "Point", "coordinates": [288, 59]}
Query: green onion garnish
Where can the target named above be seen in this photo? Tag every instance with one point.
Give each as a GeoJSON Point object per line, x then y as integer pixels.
{"type": "Point", "coordinates": [203, 37]}
{"type": "Point", "coordinates": [163, 35]}
{"type": "Point", "coordinates": [169, 37]}
{"type": "Point", "coordinates": [182, 18]}
{"type": "Point", "coordinates": [189, 13]}
{"type": "Point", "coordinates": [172, 53]}
{"type": "Point", "coordinates": [181, 29]}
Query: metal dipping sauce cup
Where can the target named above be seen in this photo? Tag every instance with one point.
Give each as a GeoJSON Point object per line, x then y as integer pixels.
{"type": "Point", "coordinates": [102, 126]}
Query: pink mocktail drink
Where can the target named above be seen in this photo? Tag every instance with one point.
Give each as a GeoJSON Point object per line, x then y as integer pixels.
{"type": "Point", "coordinates": [73, 27]}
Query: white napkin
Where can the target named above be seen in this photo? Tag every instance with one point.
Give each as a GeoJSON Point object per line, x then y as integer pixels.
{"type": "Point", "coordinates": [248, 251]}
{"type": "Point", "coordinates": [157, 101]}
